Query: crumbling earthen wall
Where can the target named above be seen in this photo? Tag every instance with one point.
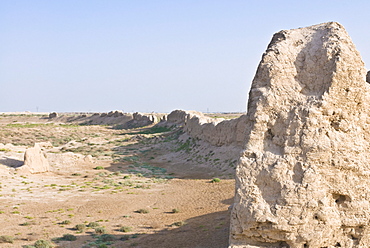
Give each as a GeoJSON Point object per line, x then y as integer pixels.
{"type": "Point", "coordinates": [115, 118]}
{"type": "Point", "coordinates": [217, 132]}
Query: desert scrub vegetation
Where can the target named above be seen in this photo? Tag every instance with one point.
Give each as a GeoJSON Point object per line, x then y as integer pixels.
{"type": "Point", "coordinates": [28, 125]}
{"type": "Point", "coordinates": [32, 133]}
{"type": "Point", "coordinates": [28, 223]}
{"type": "Point", "coordinates": [215, 180]}
{"type": "Point", "coordinates": [143, 169]}
{"type": "Point", "coordinates": [153, 130]}
{"type": "Point", "coordinates": [125, 229]}
{"type": "Point", "coordinates": [93, 225]}
{"type": "Point", "coordinates": [178, 223]}
{"type": "Point", "coordinates": [101, 241]}
{"type": "Point", "coordinates": [185, 146]}
{"type": "Point", "coordinates": [106, 238]}
{"type": "Point", "coordinates": [80, 227]}
{"type": "Point", "coordinates": [68, 237]}
{"type": "Point", "coordinates": [65, 222]}
{"type": "Point", "coordinates": [6, 239]}
{"type": "Point", "coordinates": [43, 244]}
{"type": "Point", "coordinates": [100, 230]}
{"type": "Point", "coordinates": [130, 158]}
{"type": "Point", "coordinates": [40, 244]}
{"type": "Point", "coordinates": [117, 181]}
{"type": "Point", "coordinates": [175, 211]}
{"type": "Point", "coordinates": [94, 151]}
{"type": "Point", "coordinates": [142, 211]}
{"type": "Point", "coordinates": [57, 134]}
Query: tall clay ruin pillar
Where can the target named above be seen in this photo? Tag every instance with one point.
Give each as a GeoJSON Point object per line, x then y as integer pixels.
{"type": "Point", "coordinates": [303, 180]}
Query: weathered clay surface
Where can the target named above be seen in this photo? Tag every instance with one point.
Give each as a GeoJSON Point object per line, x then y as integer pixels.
{"type": "Point", "coordinates": [216, 132]}
{"type": "Point", "coordinates": [303, 180]}
{"type": "Point", "coordinates": [34, 161]}
{"type": "Point", "coordinates": [141, 120]}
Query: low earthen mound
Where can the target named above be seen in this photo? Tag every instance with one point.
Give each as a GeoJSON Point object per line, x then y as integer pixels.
{"type": "Point", "coordinates": [34, 161]}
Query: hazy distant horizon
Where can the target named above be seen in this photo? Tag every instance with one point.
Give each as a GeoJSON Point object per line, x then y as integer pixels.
{"type": "Point", "coordinates": [93, 112]}
{"type": "Point", "coordinates": [145, 56]}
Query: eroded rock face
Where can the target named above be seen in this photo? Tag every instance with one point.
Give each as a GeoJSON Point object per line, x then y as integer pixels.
{"type": "Point", "coordinates": [303, 180]}
{"type": "Point", "coordinates": [34, 161]}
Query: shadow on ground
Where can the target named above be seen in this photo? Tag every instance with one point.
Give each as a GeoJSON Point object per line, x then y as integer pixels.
{"type": "Point", "coordinates": [11, 162]}
{"type": "Point", "coordinates": [206, 231]}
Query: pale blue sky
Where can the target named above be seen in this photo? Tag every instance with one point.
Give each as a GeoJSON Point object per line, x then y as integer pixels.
{"type": "Point", "coordinates": [141, 55]}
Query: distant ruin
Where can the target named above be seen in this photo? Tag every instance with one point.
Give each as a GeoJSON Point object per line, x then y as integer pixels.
{"type": "Point", "coordinates": [117, 119]}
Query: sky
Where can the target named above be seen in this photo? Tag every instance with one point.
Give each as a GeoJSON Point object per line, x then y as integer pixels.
{"type": "Point", "coordinates": [149, 55]}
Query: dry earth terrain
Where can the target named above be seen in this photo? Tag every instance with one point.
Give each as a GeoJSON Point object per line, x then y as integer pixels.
{"type": "Point", "coordinates": [107, 189]}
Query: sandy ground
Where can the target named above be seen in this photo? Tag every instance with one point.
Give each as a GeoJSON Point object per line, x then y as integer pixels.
{"type": "Point", "coordinates": [184, 208]}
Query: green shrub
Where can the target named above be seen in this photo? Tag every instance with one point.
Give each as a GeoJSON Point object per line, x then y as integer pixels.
{"type": "Point", "coordinates": [186, 146]}
{"type": "Point", "coordinates": [6, 239]}
{"type": "Point", "coordinates": [175, 211]}
{"type": "Point", "coordinates": [135, 235]}
{"type": "Point", "coordinates": [100, 230]}
{"type": "Point", "coordinates": [178, 223]}
{"type": "Point", "coordinates": [25, 224]}
{"type": "Point", "coordinates": [106, 238]}
{"type": "Point", "coordinates": [143, 211]}
{"type": "Point", "coordinates": [215, 180]}
{"type": "Point", "coordinates": [65, 222]}
{"type": "Point", "coordinates": [80, 227]}
{"type": "Point", "coordinates": [125, 229]}
{"type": "Point", "coordinates": [125, 237]}
{"type": "Point", "coordinates": [68, 237]}
{"type": "Point", "coordinates": [99, 168]}
{"type": "Point", "coordinates": [93, 225]}
{"type": "Point", "coordinates": [43, 244]}
{"type": "Point", "coordinates": [97, 244]}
